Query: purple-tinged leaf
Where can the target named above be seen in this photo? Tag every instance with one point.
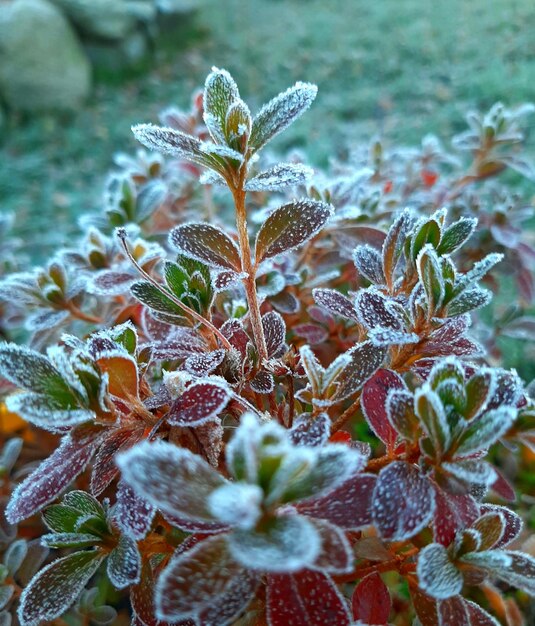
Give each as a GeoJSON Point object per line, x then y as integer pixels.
{"type": "Point", "coordinates": [55, 588]}
{"type": "Point", "coordinates": [373, 403]}
{"type": "Point", "coordinates": [452, 513]}
{"type": "Point", "coordinates": [371, 602]}
{"type": "Point", "coordinates": [204, 584]}
{"type": "Point", "coordinates": [365, 360]}
{"type": "Point", "coordinates": [335, 302]}
{"type": "Point", "coordinates": [393, 244]}
{"type": "Point", "coordinates": [426, 608]}
{"type": "Point", "coordinates": [390, 337]}
{"type": "Point", "coordinates": [507, 390]}
{"type": "Point", "coordinates": [348, 506]}
{"type": "Point", "coordinates": [104, 469]}
{"type": "Point", "coordinates": [195, 526]}
{"type": "Point", "coordinates": [233, 330]}
{"type": "Point", "coordinates": [312, 333]}
{"type": "Point", "coordinates": [502, 487]}
{"type": "Point", "coordinates": [132, 514]}
{"type": "Point", "coordinates": [54, 474]}
{"type": "Point", "coordinates": [201, 402]}
{"type": "Point", "coordinates": [124, 563]}
{"type": "Point", "coordinates": [477, 616]}
{"type": "Point", "coordinates": [226, 279]}
{"type": "Point", "coordinates": [286, 302]}
{"type": "Point", "coordinates": [207, 244]}
{"type": "Point", "coordinates": [519, 571]}
{"type": "Point", "coordinates": [336, 555]}
{"type": "Point", "coordinates": [453, 611]}
{"type": "Point", "coordinates": [142, 600]}
{"type": "Point", "coordinates": [170, 141]}
{"type": "Point", "coordinates": [437, 575]}
{"type": "Point", "coordinates": [307, 598]}
{"type": "Point", "coordinates": [263, 382]}
{"type": "Point", "coordinates": [274, 331]}
{"type": "Point", "coordinates": [369, 264]}
{"type": "Point", "coordinates": [204, 364]}
{"type": "Point", "coordinates": [280, 112]}
{"type": "Point", "coordinates": [471, 471]}
{"type": "Point", "coordinates": [375, 310]}
{"type": "Point", "coordinates": [403, 502]}
{"type": "Point", "coordinates": [280, 176]}
{"type": "Point", "coordinates": [290, 226]}
{"type": "Point", "coordinates": [513, 523]}
{"type": "Point", "coordinates": [170, 478]}
{"type": "Point", "coordinates": [310, 431]}
{"type": "Point", "coordinates": [289, 544]}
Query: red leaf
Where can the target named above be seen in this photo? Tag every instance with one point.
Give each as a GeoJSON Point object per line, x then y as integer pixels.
{"type": "Point", "coordinates": [200, 403]}
{"type": "Point", "coordinates": [371, 601]}
{"type": "Point", "coordinates": [451, 514]}
{"type": "Point", "coordinates": [308, 598]}
{"type": "Point", "coordinates": [55, 474]}
{"type": "Point", "coordinates": [133, 515]}
{"type": "Point", "coordinates": [453, 611]}
{"type": "Point", "coordinates": [313, 333]}
{"type": "Point", "coordinates": [429, 178]}
{"type": "Point", "coordinates": [503, 487]}
{"type": "Point", "coordinates": [347, 506]}
{"type": "Point", "coordinates": [373, 402]}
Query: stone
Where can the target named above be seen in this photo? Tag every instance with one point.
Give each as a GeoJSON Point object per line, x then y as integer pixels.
{"type": "Point", "coordinates": [110, 20]}
{"type": "Point", "coordinates": [42, 64]}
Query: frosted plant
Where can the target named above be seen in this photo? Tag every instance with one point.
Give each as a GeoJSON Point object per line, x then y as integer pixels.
{"type": "Point", "coordinates": [280, 418]}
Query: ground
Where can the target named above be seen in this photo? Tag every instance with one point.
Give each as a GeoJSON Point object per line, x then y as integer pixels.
{"type": "Point", "coordinates": [396, 68]}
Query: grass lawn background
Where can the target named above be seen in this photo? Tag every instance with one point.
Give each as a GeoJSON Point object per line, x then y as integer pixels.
{"type": "Point", "coordinates": [395, 68]}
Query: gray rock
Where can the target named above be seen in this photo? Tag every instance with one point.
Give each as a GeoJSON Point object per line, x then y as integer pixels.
{"type": "Point", "coordinates": [42, 64]}
{"type": "Point", "coordinates": [112, 20]}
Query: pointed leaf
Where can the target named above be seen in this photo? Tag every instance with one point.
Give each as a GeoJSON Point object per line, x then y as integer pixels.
{"type": "Point", "coordinates": [200, 403]}
{"type": "Point", "coordinates": [369, 264]}
{"type": "Point", "coordinates": [280, 176]}
{"type": "Point", "coordinates": [373, 403]}
{"type": "Point", "coordinates": [170, 141]}
{"type": "Point", "coordinates": [371, 602]}
{"type": "Point", "coordinates": [290, 226]}
{"type": "Point", "coordinates": [335, 302]}
{"type": "Point", "coordinates": [132, 514]}
{"type": "Point", "coordinates": [485, 430]}
{"type": "Point", "coordinates": [207, 244]}
{"type": "Point", "coordinates": [365, 360]}
{"type": "Point", "coordinates": [220, 91]}
{"type": "Point", "coordinates": [54, 589]}
{"type": "Point", "coordinates": [124, 563]}
{"type": "Point", "coordinates": [280, 112]}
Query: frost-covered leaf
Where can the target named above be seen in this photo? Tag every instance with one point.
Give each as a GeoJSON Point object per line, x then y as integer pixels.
{"type": "Point", "coordinates": [433, 418]}
{"type": "Point", "coordinates": [437, 575]}
{"type": "Point", "coordinates": [15, 555]}
{"type": "Point", "coordinates": [54, 589]}
{"type": "Point", "coordinates": [290, 226]}
{"type": "Point", "coordinates": [471, 471]}
{"type": "Point", "coordinates": [205, 363]}
{"type": "Point", "coordinates": [153, 298]}
{"type": "Point", "coordinates": [288, 544]}
{"type": "Point", "coordinates": [403, 502]}
{"type": "Point", "coordinates": [347, 506]}
{"type": "Point", "coordinates": [30, 370]}
{"type": "Point", "coordinates": [170, 141]}
{"type": "Point", "coordinates": [393, 244]}
{"type": "Point", "coordinates": [237, 505]}
{"type": "Point", "coordinates": [512, 523]}
{"type": "Point", "coordinates": [371, 602]}
{"type": "Point", "coordinates": [453, 611]}
{"type": "Point", "coordinates": [312, 333]}
{"type": "Point", "coordinates": [124, 563]}
{"type": "Point", "coordinates": [373, 403]}
{"type": "Point", "coordinates": [218, 150]}
{"type": "Point", "coordinates": [452, 513]}
{"type": "Point", "coordinates": [399, 407]}
{"type": "Point", "coordinates": [280, 112]}
{"type": "Point", "coordinates": [307, 598]}
{"type": "Point", "coordinates": [456, 234]}
{"type": "Point", "coordinates": [122, 373]}
{"type": "Point", "coordinates": [170, 478]}
{"type": "Point", "coordinates": [280, 176]}
{"type": "Point", "coordinates": [477, 272]}
{"type": "Point", "coordinates": [430, 275]}
{"type": "Point", "coordinates": [514, 568]}
{"type": "Point", "coordinates": [336, 555]}
{"type": "Point", "coordinates": [375, 310]}
{"type": "Point", "coordinates": [310, 431]}
{"type": "Point", "coordinates": [200, 403]}
{"type": "Point", "coordinates": [469, 300]}
{"type": "Point", "coordinates": [69, 540]}
{"type": "Point", "coordinates": [369, 264]}
{"type": "Point", "coordinates": [478, 616]}
{"type": "Point", "coordinates": [220, 91]}
{"type": "Point", "coordinates": [207, 244]}
{"type": "Point", "coordinates": [54, 474]}
{"type": "Point", "coordinates": [205, 584]}
{"type": "Point", "coordinates": [263, 382]}
{"type": "Point", "coordinates": [365, 360]}
{"type": "Point", "coordinates": [45, 412]}
{"type": "Point", "coordinates": [274, 331]}
{"type": "Point", "coordinates": [132, 514]}
{"type": "Point", "coordinates": [335, 302]}
{"type": "Point", "coordinates": [485, 430]}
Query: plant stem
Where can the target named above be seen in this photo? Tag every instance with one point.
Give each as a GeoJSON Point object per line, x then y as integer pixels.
{"type": "Point", "coordinates": [247, 266]}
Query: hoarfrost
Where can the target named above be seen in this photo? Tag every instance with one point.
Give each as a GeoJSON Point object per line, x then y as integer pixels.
{"type": "Point", "coordinates": [280, 176]}
{"type": "Point", "coordinates": [124, 563]}
{"type": "Point", "coordinates": [437, 575]}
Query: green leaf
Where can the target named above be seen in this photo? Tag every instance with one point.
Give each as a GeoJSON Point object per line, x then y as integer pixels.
{"type": "Point", "coordinates": [220, 91]}
{"type": "Point", "coordinates": [483, 431]}
{"type": "Point", "coordinates": [46, 412]}
{"type": "Point", "coordinates": [290, 226]}
{"type": "Point", "coordinates": [393, 244]}
{"type": "Point", "coordinates": [55, 588]}
{"type": "Point", "coordinates": [456, 234]}
{"type": "Point", "coordinates": [154, 299]}
{"type": "Point", "coordinates": [32, 371]}
{"type": "Point", "coordinates": [69, 540]}
{"type": "Point", "coordinates": [427, 233]}
{"type": "Point", "coordinates": [280, 112]}
{"type": "Point", "coordinates": [430, 274]}
{"type": "Point", "coordinates": [469, 300]}
{"type": "Point", "coordinates": [83, 502]}
{"type": "Point", "coordinates": [207, 244]}
{"type": "Point", "coordinates": [429, 409]}
{"type": "Point", "coordinates": [60, 518]}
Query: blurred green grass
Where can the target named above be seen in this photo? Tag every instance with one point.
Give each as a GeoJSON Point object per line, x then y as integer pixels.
{"type": "Point", "coordinates": [399, 69]}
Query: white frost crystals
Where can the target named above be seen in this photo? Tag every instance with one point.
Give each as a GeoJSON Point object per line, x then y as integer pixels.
{"type": "Point", "coordinates": [260, 528]}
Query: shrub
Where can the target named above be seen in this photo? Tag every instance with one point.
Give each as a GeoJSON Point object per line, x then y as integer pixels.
{"type": "Point", "coordinates": [297, 430]}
